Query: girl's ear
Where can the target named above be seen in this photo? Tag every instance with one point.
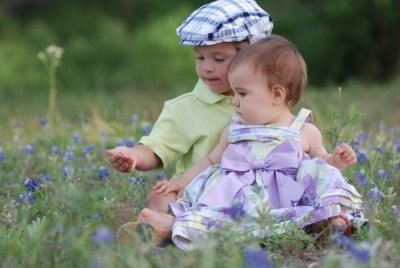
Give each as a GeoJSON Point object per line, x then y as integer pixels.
{"type": "Point", "coordinates": [279, 94]}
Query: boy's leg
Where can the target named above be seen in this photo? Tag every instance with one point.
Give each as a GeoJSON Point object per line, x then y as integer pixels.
{"type": "Point", "coordinates": [159, 202]}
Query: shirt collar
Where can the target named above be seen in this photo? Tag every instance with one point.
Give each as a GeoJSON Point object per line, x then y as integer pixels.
{"type": "Point", "coordinates": [203, 92]}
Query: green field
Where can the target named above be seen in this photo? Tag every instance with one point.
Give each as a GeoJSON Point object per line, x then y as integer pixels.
{"type": "Point", "coordinates": [61, 203]}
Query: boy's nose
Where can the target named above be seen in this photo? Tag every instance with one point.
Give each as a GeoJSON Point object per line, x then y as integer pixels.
{"type": "Point", "coordinates": [208, 66]}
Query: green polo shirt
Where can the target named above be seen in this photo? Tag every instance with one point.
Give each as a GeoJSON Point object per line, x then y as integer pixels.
{"type": "Point", "coordinates": [189, 127]}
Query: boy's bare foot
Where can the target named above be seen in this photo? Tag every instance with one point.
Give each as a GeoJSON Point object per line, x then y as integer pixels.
{"type": "Point", "coordinates": [153, 227]}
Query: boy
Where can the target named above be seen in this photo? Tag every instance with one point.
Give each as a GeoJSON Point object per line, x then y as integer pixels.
{"type": "Point", "coordinates": [190, 125]}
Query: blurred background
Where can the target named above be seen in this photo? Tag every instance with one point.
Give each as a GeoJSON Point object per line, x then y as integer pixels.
{"type": "Point", "coordinates": [132, 44]}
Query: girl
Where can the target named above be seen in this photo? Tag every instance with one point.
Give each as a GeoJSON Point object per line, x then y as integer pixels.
{"type": "Point", "coordinates": [268, 160]}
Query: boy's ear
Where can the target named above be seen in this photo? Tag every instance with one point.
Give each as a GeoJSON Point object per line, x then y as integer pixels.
{"type": "Point", "coordinates": [279, 94]}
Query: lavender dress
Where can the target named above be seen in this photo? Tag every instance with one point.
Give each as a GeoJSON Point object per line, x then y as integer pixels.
{"type": "Point", "coordinates": [264, 182]}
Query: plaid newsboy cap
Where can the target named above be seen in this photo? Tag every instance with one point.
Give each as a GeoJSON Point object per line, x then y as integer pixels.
{"type": "Point", "coordinates": [225, 21]}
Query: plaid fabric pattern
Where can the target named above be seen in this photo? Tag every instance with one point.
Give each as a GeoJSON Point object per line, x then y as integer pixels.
{"type": "Point", "coordinates": [225, 21]}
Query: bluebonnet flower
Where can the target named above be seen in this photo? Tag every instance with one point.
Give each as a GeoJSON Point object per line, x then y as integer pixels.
{"type": "Point", "coordinates": [77, 138]}
{"type": "Point", "coordinates": [254, 258]}
{"type": "Point", "coordinates": [379, 149]}
{"type": "Point", "coordinates": [103, 235]}
{"type": "Point", "coordinates": [360, 254]}
{"type": "Point", "coordinates": [68, 157]}
{"type": "Point", "coordinates": [395, 210]}
{"type": "Point", "coordinates": [67, 171]}
{"type": "Point", "coordinates": [361, 178]}
{"type": "Point", "coordinates": [375, 195]}
{"type": "Point", "coordinates": [136, 180]}
{"type": "Point", "coordinates": [383, 174]}
{"type": "Point", "coordinates": [161, 176]}
{"type": "Point", "coordinates": [27, 150]}
{"type": "Point", "coordinates": [146, 129]}
{"type": "Point", "coordinates": [398, 165]}
{"type": "Point", "coordinates": [43, 122]}
{"type": "Point", "coordinates": [135, 119]}
{"type": "Point", "coordinates": [88, 149]}
{"type": "Point", "coordinates": [362, 157]}
{"type": "Point", "coordinates": [44, 178]}
{"type": "Point", "coordinates": [236, 212]}
{"type": "Point", "coordinates": [25, 197]}
{"type": "Point", "coordinates": [31, 185]}
{"type": "Point", "coordinates": [54, 150]}
{"type": "Point", "coordinates": [397, 145]}
{"type": "Point", "coordinates": [103, 173]}
{"type": "Point", "coordinates": [2, 156]}
{"type": "Point", "coordinates": [130, 142]}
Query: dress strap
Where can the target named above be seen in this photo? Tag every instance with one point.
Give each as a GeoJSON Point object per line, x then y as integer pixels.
{"type": "Point", "coordinates": [304, 115]}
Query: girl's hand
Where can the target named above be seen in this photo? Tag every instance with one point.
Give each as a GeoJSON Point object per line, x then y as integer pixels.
{"type": "Point", "coordinates": [343, 156]}
{"type": "Point", "coordinates": [165, 187]}
{"type": "Point", "coordinates": [122, 159]}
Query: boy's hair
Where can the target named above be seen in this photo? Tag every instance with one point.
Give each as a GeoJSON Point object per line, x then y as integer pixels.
{"type": "Point", "coordinates": [225, 21]}
{"type": "Point", "coordinates": [281, 63]}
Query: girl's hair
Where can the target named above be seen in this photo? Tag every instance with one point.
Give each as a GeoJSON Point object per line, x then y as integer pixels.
{"type": "Point", "coordinates": [281, 63]}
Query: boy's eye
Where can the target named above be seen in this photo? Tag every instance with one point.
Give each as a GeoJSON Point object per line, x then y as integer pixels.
{"type": "Point", "coordinates": [219, 59]}
{"type": "Point", "coordinates": [199, 58]}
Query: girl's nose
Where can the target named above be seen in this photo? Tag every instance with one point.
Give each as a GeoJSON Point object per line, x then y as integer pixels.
{"type": "Point", "coordinates": [235, 101]}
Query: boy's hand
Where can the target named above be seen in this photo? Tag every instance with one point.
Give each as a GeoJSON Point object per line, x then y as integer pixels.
{"type": "Point", "coordinates": [122, 159]}
{"type": "Point", "coordinates": [343, 156]}
{"type": "Point", "coordinates": [165, 187]}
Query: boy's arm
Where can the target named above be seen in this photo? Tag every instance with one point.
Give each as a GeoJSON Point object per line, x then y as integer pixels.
{"type": "Point", "coordinates": [178, 185]}
{"type": "Point", "coordinates": [342, 157]}
{"type": "Point", "coordinates": [126, 159]}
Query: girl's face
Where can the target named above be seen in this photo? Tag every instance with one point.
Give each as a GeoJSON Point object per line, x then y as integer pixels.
{"type": "Point", "coordinates": [212, 64]}
{"type": "Point", "coordinates": [253, 99]}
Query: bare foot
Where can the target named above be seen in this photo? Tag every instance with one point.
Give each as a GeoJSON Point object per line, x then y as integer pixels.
{"type": "Point", "coordinates": [341, 224]}
{"type": "Point", "coordinates": [160, 221]}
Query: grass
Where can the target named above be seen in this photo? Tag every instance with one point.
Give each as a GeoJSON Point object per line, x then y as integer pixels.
{"type": "Point", "coordinates": [60, 202]}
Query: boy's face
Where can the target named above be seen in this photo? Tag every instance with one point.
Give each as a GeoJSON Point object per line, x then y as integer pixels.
{"type": "Point", "coordinates": [212, 64]}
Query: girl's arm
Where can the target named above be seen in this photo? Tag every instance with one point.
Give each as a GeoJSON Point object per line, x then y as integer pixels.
{"type": "Point", "coordinates": [178, 185]}
{"type": "Point", "coordinates": [343, 156]}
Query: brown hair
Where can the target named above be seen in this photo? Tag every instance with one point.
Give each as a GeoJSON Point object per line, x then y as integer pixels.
{"type": "Point", "coordinates": [280, 61]}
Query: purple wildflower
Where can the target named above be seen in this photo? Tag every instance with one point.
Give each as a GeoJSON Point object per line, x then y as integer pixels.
{"type": "Point", "coordinates": [360, 254]}
{"type": "Point", "coordinates": [25, 197]}
{"type": "Point", "coordinates": [362, 157]}
{"type": "Point", "coordinates": [103, 235]}
{"type": "Point", "coordinates": [68, 156]}
{"type": "Point", "coordinates": [398, 165]}
{"type": "Point", "coordinates": [88, 149]}
{"type": "Point", "coordinates": [236, 212]}
{"type": "Point", "coordinates": [395, 210]}
{"type": "Point", "coordinates": [54, 150]}
{"type": "Point", "coordinates": [44, 178]}
{"type": "Point", "coordinates": [31, 185]}
{"type": "Point", "coordinates": [103, 173]}
{"type": "Point", "coordinates": [2, 156]}
{"type": "Point", "coordinates": [27, 150]}
{"type": "Point", "coordinates": [77, 138]}
{"type": "Point", "coordinates": [130, 142]}
{"type": "Point", "coordinates": [375, 195]}
{"type": "Point", "coordinates": [255, 257]}
{"type": "Point", "coordinates": [161, 176]}
{"type": "Point", "coordinates": [135, 119]}
{"type": "Point", "coordinates": [67, 171]}
{"type": "Point", "coordinates": [43, 122]}
{"type": "Point", "coordinates": [136, 180]}
{"type": "Point", "coordinates": [361, 178]}
{"type": "Point", "coordinates": [146, 129]}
